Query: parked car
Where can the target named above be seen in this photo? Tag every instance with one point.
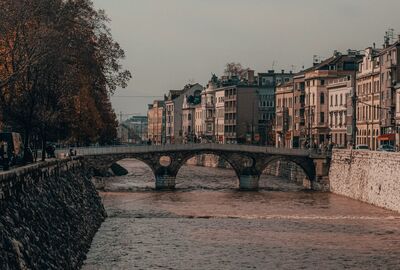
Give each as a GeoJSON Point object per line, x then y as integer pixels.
{"type": "Point", "coordinates": [11, 149]}
{"type": "Point", "coordinates": [386, 148]}
{"type": "Point", "coordinates": [362, 147]}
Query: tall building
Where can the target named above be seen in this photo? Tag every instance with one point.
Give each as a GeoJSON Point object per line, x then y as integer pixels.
{"type": "Point", "coordinates": [340, 91]}
{"type": "Point", "coordinates": [316, 93]}
{"type": "Point", "coordinates": [299, 126]}
{"type": "Point", "coordinates": [369, 98]}
{"type": "Point", "coordinates": [390, 78]}
{"type": "Point", "coordinates": [173, 109]}
{"type": "Point", "coordinates": [267, 83]}
{"type": "Point", "coordinates": [284, 115]}
{"type": "Point", "coordinates": [220, 116]}
{"type": "Point", "coordinates": [156, 122]}
{"type": "Point", "coordinates": [190, 103]}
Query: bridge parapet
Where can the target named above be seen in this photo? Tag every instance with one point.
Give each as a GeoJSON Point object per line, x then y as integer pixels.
{"type": "Point", "coordinates": [187, 147]}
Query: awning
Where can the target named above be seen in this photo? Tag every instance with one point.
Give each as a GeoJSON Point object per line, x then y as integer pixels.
{"type": "Point", "coordinates": [387, 137]}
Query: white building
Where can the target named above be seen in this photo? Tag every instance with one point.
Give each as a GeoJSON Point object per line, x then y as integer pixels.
{"type": "Point", "coordinates": [339, 97]}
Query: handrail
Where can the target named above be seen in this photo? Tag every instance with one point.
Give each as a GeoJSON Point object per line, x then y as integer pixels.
{"type": "Point", "coordinates": [122, 149]}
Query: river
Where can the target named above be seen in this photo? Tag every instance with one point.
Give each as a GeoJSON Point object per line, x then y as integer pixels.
{"type": "Point", "coordinates": [208, 224]}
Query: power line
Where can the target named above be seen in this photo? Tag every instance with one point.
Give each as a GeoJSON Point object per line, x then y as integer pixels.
{"type": "Point", "coordinates": [137, 96]}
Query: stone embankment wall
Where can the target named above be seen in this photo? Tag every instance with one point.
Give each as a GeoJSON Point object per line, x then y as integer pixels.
{"type": "Point", "coordinates": [49, 214]}
{"type": "Point", "coordinates": [372, 177]}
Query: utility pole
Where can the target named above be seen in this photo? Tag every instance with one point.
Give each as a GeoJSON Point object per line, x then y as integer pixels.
{"type": "Point", "coordinates": [354, 113]}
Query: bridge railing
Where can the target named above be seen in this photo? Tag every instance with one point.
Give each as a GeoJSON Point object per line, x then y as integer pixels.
{"type": "Point", "coordinates": [187, 147]}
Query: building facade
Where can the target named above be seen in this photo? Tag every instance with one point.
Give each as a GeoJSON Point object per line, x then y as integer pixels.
{"type": "Point", "coordinates": [156, 122]}
{"type": "Point", "coordinates": [173, 106]}
{"type": "Point", "coordinates": [369, 99]}
{"type": "Point", "coordinates": [390, 78]}
{"type": "Point", "coordinates": [267, 83]}
{"type": "Point", "coordinates": [340, 91]}
{"type": "Point", "coordinates": [316, 94]}
{"type": "Point", "coordinates": [284, 115]}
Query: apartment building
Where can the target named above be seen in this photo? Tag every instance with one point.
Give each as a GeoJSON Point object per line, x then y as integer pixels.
{"type": "Point", "coordinates": [267, 83]}
{"type": "Point", "coordinates": [340, 91]}
{"type": "Point", "coordinates": [299, 128]}
{"type": "Point", "coordinates": [390, 78]}
{"type": "Point", "coordinates": [284, 115]}
{"type": "Point", "coordinates": [316, 93]}
{"type": "Point", "coordinates": [173, 110]}
{"type": "Point", "coordinates": [190, 103]}
{"type": "Point", "coordinates": [220, 115]}
{"type": "Point", "coordinates": [369, 99]}
{"type": "Point", "coordinates": [156, 122]}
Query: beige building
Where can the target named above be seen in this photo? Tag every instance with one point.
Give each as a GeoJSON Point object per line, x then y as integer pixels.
{"type": "Point", "coordinates": [190, 103]}
{"type": "Point", "coordinates": [156, 122]}
{"type": "Point", "coordinates": [220, 115]}
{"type": "Point", "coordinates": [390, 78]}
{"type": "Point", "coordinates": [316, 93]}
{"type": "Point", "coordinates": [368, 99]}
{"type": "Point", "coordinates": [339, 97]}
{"type": "Point", "coordinates": [174, 115]}
{"type": "Point", "coordinates": [284, 115]}
{"type": "Point", "coordinates": [299, 126]}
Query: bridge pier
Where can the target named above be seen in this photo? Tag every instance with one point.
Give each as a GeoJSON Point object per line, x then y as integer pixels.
{"type": "Point", "coordinates": [165, 182]}
{"type": "Point", "coordinates": [249, 182]}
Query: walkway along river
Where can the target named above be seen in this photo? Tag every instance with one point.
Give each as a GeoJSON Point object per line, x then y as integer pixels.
{"type": "Point", "coordinates": [208, 224]}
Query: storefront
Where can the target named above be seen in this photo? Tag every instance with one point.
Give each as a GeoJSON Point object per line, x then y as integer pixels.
{"type": "Point", "coordinates": [387, 139]}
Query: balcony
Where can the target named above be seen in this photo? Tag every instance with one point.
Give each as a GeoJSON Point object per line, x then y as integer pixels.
{"type": "Point", "coordinates": [230, 109]}
{"type": "Point", "coordinates": [230, 122]}
{"type": "Point", "coordinates": [230, 97]}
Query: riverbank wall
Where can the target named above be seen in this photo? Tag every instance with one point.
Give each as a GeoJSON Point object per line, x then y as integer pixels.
{"type": "Point", "coordinates": [50, 212]}
{"type": "Point", "coordinates": [371, 177]}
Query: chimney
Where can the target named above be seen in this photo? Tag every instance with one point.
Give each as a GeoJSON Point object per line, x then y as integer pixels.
{"type": "Point", "coordinates": [283, 71]}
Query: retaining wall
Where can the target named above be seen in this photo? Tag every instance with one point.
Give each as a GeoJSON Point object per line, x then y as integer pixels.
{"type": "Point", "coordinates": [49, 214]}
{"type": "Point", "coordinates": [372, 177]}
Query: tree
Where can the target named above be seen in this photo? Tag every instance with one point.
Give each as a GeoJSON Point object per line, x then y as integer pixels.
{"type": "Point", "coordinates": [58, 66]}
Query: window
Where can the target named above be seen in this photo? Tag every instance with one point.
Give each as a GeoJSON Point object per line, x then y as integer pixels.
{"type": "Point", "coordinates": [322, 117]}
{"type": "Point", "coordinates": [341, 99]}
{"type": "Point", "coordinates": [322, 98]}
{"type": "Point", "coordinates": [322, 82]}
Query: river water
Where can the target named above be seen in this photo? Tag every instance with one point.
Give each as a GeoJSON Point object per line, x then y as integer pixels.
{"type": "Point", "coordinates": [208, 224]}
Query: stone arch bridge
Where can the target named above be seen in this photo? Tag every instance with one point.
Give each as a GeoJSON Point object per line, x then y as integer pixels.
{"type": "Point", "coordinates": [248, 161]}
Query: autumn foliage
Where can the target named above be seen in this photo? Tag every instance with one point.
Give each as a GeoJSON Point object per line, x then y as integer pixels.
{"type": "Point", "coordinates": [58, 67]}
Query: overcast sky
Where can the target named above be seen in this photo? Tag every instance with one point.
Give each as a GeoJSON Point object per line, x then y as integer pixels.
{"type": "Point", "coordinates": [169, 43]}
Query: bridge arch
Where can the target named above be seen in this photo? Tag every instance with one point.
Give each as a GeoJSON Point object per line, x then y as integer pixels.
{"type": "Point", "coordinates": [306, 165]}
{"type": "Point", "coordinates": [209, 171]}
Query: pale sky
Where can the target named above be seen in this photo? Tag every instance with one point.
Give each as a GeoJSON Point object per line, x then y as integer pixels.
{"type": "Point", "coordinates": [169, 43]}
